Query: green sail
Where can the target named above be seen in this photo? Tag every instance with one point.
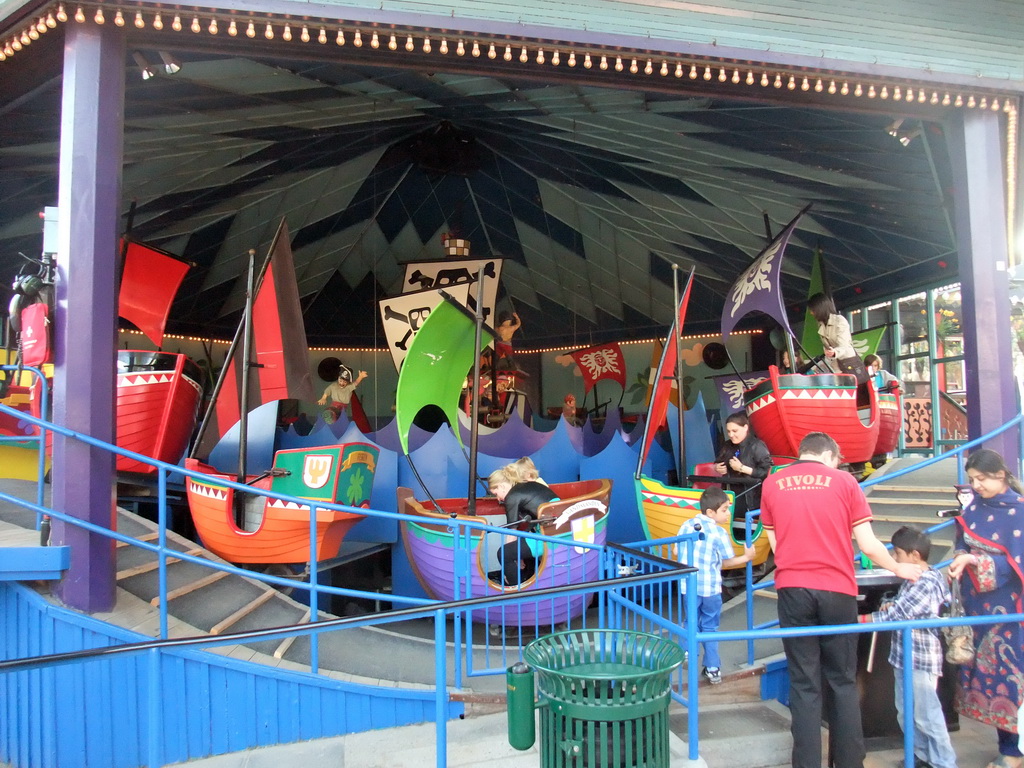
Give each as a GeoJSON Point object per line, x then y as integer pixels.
{"type": "Point", "coordinates": [435, 367]}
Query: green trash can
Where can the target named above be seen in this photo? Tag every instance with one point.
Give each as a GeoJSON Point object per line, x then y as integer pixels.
{"type": "Point", "coordinates": [604, 698]}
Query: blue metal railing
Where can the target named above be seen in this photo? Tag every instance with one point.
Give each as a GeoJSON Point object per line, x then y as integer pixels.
{"type": "Point", "coordinates": [634, 593]}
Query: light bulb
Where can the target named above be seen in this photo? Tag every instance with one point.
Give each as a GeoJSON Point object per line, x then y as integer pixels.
{"type": "Point", "coordinates": [750, 77]}
{"type": "Point", "coordinates": [707, 73]}
{"type": "Point", "coordinates": [818, 86]}
{"type": "Point", "coordinates": [304, 35]}
{"type": "Point", "coordinates": [959, 101]}
{"type": "Point", "coordinates": [921, 96]}
{"type": "Point", "coordinates": [946, 100]}
{"type": "Point", "coordinates": [374, 41]}
{"type": "Point", "coordinates": [572, 58]}
{"type": "Point", "coordinates": [476, 50]}
{"type": "Point", "coordinates": [934, 99]}
{"type": "Point", "coordinates": [443, 48]}
{"type": "Point", "coordinates": [357, 39]}
{"type": "Point", "coordinates": [791, 83]}
{"type": "Point", "coordinates": [693, 71]}
{"type": "Point", "coordinates": [633, 67]}
{"type": "Point", "coordinates": [268, 32]}
{"type": "Point", "coordinates": [176, 24]}
{"type": "Point", "coordinates": [735, 76]}
{"type": "Point", "coordinates": [232, 28]}
{"type": "Point", "coordinates": [722, 77]}
{"type": "Point", "coordinates": [832, 86]}
{"type": "Point", "coordinates": [871, 91]}
{"type": "Point", "coordinates": [393, 43]}
{"type": "Point", "coordinates": [250, 31]}
{"type": "Point", "coordinates": [118, 19]}
{"type": "Point", "coordinates": [409, 44]}
{"type": "Point", "coordinates": [805, 85]}
{"type": "Point", "coordinates": [492, 52]}
{"type": "Point", "coordinates": [764, 80]}
{"type": "Point", "coordinates": [195, 25]}
{"type": "Point", "coordinates": [79, 15]}
{"type": "Point", "coordinates": [286, 33]}
{"type": "Point", "coordinates": [158, 22]}
{"type": "Point", "coordinates": [460, 48]}
{"type": "Point", "coordinates": [339, 39]}
{"type": "Point", "coordinates": [884, 93]}
{"type": "Point", "coordinates": [897, 93]}
{"type": "Point", "coordinates": [213, 28]}
{"type": "Point", "coordinates": [62, 15]}
{"type": "Point", "coordinates": [679, 70]}
{"type": "Point", "coordinates": [426, 45]}
{"type": "Point", "coordinates": [98, 18]}
{"type": "Point", "coordinates": [664, 69]}
{"type": "Point", "coordinates": [778, 81]}
{"type": "Point", "coordinates": [52, 22]}
{"type": "Point", "coordinates": [604, 62]}
{"type": "Point", "coordinates": [618, 64]}
{"type": "Point", "coordinates": [523, 55]}
{"type": "Point", "coordinates": [507, 56]}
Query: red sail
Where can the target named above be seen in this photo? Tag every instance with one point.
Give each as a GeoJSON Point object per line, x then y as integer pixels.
{"type": "Point", "coordinates": [149, 281]}
{"type": "Point", "coordinates": [281, 364]}
{"type": "Point", "coordinates": [664, 378]}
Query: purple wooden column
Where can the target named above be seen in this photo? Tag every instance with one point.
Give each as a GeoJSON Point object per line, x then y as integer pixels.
{"type": "Point", "coordinates": [85, 328]}
{"type": "Point", "coordinates": [979, 180]}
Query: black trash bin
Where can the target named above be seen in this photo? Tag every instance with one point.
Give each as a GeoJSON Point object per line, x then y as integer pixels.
{"type": "Point", "coordinates": [877, 688]}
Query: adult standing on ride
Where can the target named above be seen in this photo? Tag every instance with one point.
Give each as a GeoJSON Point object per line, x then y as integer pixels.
{"type": "Point", "coordinates": [989, 549]}
{"type": "Point", "coordinates": [833, 330]}
{"type": "Point", "coordinates": [743, 456]}
{"type": "Point", "coordinates": [810, 511]}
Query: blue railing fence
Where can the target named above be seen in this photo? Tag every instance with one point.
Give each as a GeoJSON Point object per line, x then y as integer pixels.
{"type": "Point", "coordinates": [638, 592]}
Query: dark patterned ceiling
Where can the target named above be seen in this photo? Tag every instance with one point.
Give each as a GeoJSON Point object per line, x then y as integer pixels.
{"type": "Point", "coordinates": [589, 193]}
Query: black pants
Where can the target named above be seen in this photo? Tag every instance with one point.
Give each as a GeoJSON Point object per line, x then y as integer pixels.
{"type": "Point", "coordinates": [822, 677]}
{"type": "Point", "coordinates": [509, 556]}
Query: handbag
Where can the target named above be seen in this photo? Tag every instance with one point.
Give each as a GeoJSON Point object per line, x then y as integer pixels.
{"type": "Point", "coordinates": [854, 366]}
{"type": "Point", "coordinates": [959, 637]}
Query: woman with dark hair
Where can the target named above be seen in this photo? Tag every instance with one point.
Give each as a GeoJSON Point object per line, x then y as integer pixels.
{"type": "Point", "coordinates": [989, 552]}
{"type": "Point", "coordinates": [833, 330]}
{"type": "Point", "coordinates": [743, 455]}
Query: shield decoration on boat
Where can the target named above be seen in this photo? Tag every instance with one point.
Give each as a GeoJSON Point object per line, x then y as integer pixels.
{"type": "Point", "coordinates": [316, 470]}
{"type": "Point", "coordinates": [583, 530]}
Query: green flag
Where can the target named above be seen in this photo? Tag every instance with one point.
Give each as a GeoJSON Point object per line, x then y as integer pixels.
{"type": "Point", "coordinates": [810, 340]}
{"type": "Point", "coordinates": [866, 342]}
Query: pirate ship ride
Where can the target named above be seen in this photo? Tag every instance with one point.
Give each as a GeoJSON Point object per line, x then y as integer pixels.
{"type": "Point", "coordinates": [446, 346]}
{"type": "Point", "coordinates": [784, 408]}
{"type": "Point", "coordinates": [664, 508]}
{"type": "Point", "coordinates": [258, 529]}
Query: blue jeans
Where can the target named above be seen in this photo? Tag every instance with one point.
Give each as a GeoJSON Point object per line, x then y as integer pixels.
{"type": "Point", "coordinates": [709, 616]}
{"type": "Point", "coordinates": [931, 739]}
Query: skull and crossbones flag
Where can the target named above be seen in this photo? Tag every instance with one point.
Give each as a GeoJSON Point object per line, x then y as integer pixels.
{"type": "Point", "coordinates": [601, 362]}
{"type": "Point", "coordinates": [403, 315]}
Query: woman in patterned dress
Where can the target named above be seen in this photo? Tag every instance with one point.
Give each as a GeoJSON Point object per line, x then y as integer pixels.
{"type": "Point", "coordinates": [989, 562]}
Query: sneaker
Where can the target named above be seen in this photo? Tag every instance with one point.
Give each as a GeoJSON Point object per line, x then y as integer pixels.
{"type": "Point", "coordinates": [712, 674]}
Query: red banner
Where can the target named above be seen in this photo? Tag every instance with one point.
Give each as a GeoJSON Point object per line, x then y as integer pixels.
{"type": "Point", "coordinates": [149, 281]}
{"type": "Point", "coordinates": [602, 362]}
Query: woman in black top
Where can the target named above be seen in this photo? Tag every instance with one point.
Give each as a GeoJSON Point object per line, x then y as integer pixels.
{"type": "Point", "coordinates": [521, 500]}
{"type": "Point", "coordinates": [743, 455]}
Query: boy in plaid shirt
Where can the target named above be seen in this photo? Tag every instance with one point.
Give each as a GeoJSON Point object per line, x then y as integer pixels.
{"type": "Point", "coordinates": [710, 554]}
{"type": "Point", "coordinates": [920, 599]}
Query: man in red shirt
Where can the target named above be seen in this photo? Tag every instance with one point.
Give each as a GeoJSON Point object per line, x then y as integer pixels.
{"type": "Point", "coordinates": [811, 510]}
